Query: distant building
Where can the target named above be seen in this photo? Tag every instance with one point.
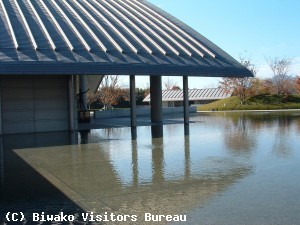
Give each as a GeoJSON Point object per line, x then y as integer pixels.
{"type": "Point", "coordinates": [174, 98]}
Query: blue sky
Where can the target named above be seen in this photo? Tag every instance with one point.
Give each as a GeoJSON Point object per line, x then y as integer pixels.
{"type": "Point", "coordinates": [255, 29]}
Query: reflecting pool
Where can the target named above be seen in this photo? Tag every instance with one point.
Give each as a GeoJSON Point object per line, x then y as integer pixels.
{"type": "Point", "coordinates": [232, 168]}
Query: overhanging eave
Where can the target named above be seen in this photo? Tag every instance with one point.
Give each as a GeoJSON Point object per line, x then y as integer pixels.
{"type": "Point", "coordinates": [35, 68]}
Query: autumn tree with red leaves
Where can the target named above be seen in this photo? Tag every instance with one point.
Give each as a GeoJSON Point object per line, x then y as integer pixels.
{"type": "Point", "coordinates": [110, 91]}
{"type": "Point", "coordinates": [240, 86]}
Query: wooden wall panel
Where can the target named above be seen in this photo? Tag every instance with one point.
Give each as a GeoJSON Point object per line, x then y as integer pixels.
{"type": "Point", "coordinates": [34, 104]}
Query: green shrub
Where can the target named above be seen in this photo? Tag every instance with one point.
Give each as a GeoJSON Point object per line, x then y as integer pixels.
{"type": "Point", "coordinates": [259, 102]}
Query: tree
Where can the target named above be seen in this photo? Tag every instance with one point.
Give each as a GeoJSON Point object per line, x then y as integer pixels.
{"type": "Point", "coordinates": [146, 89]}
{"type": "Point", "coordinates": [110, 91]}
{"type": "Point", "coordinates": [141, 93]}
{"type": "Point", "coordinates": [170, 84]}
{"type": "Point", "coordinates": [239, 85]}
{"type": "Point", "coordinates": [91, 98]}
{"type": "Point", "coordinates": [280, 68]}
{"type": "Point", "coordinates": [257, 87]}
{"type": "Point", "coordinates": [267, 86]}
{"type": "Point", "coordinates": [175, 88]}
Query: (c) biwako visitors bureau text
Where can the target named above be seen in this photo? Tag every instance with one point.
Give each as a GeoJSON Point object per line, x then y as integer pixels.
{"type": "Point", "coordinates": [92, 217]}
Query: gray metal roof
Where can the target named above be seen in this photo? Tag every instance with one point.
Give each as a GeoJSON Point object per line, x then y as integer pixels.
{"type": "Point", "coordinates": [194, 95]}
{"type": "Point", "coordinates": [97, 37]}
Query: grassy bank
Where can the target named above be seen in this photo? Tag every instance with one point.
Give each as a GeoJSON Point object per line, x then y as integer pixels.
{"type": "Point", "coordinates": [259, 102]}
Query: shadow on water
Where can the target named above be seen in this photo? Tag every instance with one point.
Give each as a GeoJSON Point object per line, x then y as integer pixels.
{"type": "Point", "coordinates": [22, 188]}
{"type": "Point", "coordinates": [51, 173]}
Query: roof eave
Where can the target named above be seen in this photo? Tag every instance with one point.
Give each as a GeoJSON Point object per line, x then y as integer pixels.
{"type": "Point", "coordinates": [37, 68]}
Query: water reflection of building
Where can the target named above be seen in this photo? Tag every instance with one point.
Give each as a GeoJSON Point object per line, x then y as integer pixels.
{"type": "Point", "coordinates": [132, 176]}
{"type": "Point", "coordinates": [169, 175]}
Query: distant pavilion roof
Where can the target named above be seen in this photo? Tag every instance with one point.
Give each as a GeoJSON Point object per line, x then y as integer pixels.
{"type": "Point", "coordinates": [194, 95]}
{"type": "Point", "coordinates": [98, 37]}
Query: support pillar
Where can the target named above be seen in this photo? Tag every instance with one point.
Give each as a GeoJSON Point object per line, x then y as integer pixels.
{"type": "Point", "coordinates": [156, 99]}
{"type": "Point", "coordinates": [71, 97]}
{"type": "Point", "coordinates": [83, 88]}
{"type": "Point", "coordinates": [133, 107]}
{"type": "Point", "coordinates": [186, 108]}
{"type": "Point", "coordinates": [157, 131]}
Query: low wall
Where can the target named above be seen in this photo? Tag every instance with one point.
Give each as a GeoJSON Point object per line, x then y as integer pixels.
{"type": "Point", "coordinates": [139, 112]}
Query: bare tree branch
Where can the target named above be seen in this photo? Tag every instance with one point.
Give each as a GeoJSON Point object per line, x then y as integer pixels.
{"type": "Point", "coordinates": [239, 85]}
{"type": "Point", "coordinates": [170, 84]}
{"type": "Point", "coordinates": [280, 68]}
{"type": "Point", "coordinates": [110, 91]}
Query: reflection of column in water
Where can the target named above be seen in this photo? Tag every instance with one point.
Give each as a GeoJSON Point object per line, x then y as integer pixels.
{"type": "Point", "coordinates": [84, 136]}
{"type": "Point", "coordinates": [187, 157]}
{"type": "Point", "coordinates": [157, 131]}
{"type": "Point", "coordinates": [73, 137]}
{"type": "Point", "coordinates": [186, 129]}
{"type": "Point", "coordinates": [133, 133]}
{"type": "Point", "coordinates": [134, 163]}
{"type": "Point", "coordinates": [157, 161]}
{"type": "Point", "coordinates": [1, 163]}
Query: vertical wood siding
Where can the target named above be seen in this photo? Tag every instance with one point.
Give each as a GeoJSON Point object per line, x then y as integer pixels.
{"type": "Point", "coordinates": [34, 104]}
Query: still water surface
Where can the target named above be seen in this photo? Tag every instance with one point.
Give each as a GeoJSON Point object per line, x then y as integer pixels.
{"type": "Point", "coordinates": [233, 168]}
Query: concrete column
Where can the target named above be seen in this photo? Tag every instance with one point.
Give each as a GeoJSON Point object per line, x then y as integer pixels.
{"type": "Point", "coordinates": [157, 131]}
{"type": "Point", "coordinates": [71, 108]}
{"type": "Point", "coordinates": [186, 100]}
{"type": "Point", "coordinates": [83, 87]}
{"type": "Point", "coordinates": [133, 107]}
{"type": "Point", "coordinates": [156, 99]}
